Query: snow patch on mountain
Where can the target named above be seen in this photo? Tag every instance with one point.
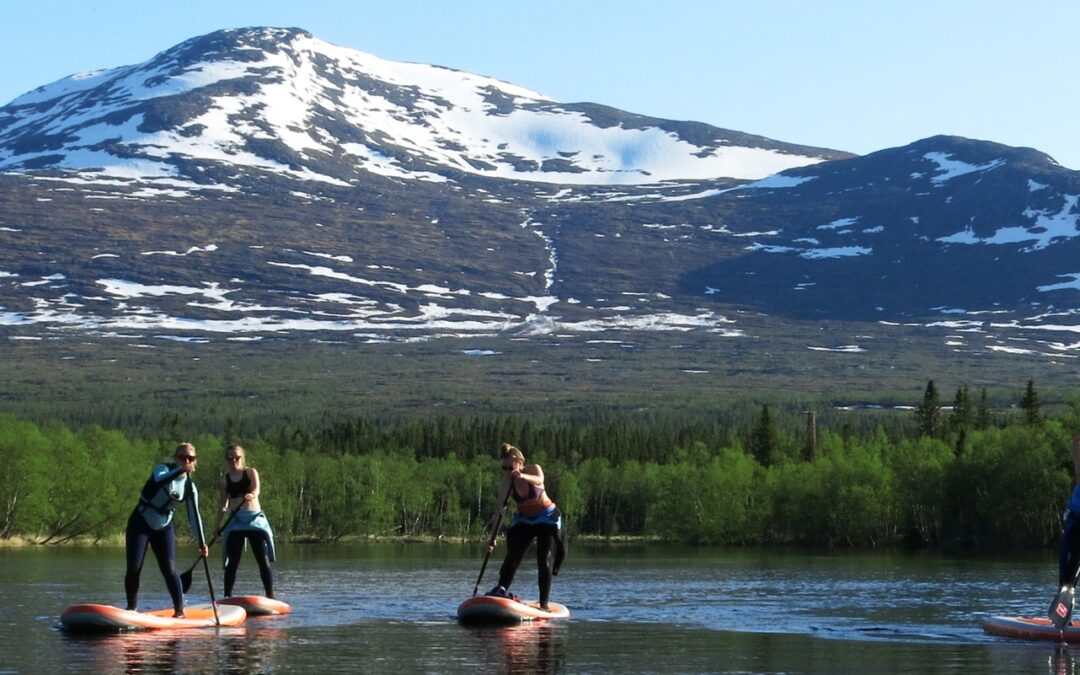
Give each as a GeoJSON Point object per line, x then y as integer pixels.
{"type": "Point", "coordinates": [842, 349]}
{"type": "Point", "coordinates": [835, 252]}
{"type": "Point", "coordinates": [950, 168]}
{"type": "Point", "coordinates": [839, 224]}
{"type": "Point", "coordinates": [1074, 284]}
{"type": "Point", "coordinates": [209, 248]}
{"type": "Point", "coordinates": [1046, 228]}
{"type": "Point", "coordinates": [813, 253]}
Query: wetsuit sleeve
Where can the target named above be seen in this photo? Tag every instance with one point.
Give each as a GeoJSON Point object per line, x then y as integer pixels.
{"type": "Point", "coordinates": [194, 518]}
{"type": "Point", "coordinates": [1074, 501]}
{"type": "Point", "coordinates": [163, 474]}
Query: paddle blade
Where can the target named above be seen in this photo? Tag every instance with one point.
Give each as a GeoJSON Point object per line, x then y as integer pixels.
{"type": "Point", "coordinates": [1062, 607]}
{"type": "Point", "coordinates": [185, 581]}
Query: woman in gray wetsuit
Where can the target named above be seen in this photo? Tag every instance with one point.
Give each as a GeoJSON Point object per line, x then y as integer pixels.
{"type": "Point", "coordinates": [151, 525]}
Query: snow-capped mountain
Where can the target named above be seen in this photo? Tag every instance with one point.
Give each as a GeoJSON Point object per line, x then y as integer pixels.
{"type": "Point", "coordinates": [283, 101]}
{"type": "Point", "coordinates": [261, 182]}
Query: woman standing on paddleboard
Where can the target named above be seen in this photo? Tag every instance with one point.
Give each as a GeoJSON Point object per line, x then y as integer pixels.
{"type": "Point", "coordinates": [151, 524]}
{"type": "Point", "coordinates": [240, 488]}
{"type": "Point", "coordinates": [537, 518]}
{"type": "Point", "coordinates": [1069, 561]}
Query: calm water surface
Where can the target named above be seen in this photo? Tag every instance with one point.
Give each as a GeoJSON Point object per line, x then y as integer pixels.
{"type": "Point", "coordinates": [390, 608]}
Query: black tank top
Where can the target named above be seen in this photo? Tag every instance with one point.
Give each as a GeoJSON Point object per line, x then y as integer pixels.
{"type": "Point", "coordinates": [240, 487]}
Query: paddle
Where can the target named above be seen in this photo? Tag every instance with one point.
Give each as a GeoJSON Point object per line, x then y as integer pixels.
{"type": "Point", "coordinates": [491, 542]}
{"type": "Point", "coordinates": [1061, 608]}
{"type": "Point", "coordinates": [185, 577]}
{"type": "Point", "coordinates": [210, 585]}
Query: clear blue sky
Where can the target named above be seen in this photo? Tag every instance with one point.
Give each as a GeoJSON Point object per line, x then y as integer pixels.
{"type": "Point", "coordinates": [855, 75]}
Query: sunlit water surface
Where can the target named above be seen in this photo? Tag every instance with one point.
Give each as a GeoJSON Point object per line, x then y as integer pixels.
{"type": "Point", "coordinates": [390, 608]}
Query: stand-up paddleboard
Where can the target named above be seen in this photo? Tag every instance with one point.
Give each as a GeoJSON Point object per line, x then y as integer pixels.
{"type": "Point", "coordinates": [493, 609]}
{"type": "Point", "coordinates": [105, 618]}
{"type": "Point", "coordinates": [258, 605]}
{"type": "Point", "coordinates": [1029, 628]}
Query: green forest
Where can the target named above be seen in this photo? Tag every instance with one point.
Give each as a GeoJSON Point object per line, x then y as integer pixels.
{"type": "Point", "coordinates": [939, 474]}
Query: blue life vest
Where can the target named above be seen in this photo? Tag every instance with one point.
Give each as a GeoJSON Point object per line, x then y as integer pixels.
{"type": "Point", "coordinates": [167, 486]}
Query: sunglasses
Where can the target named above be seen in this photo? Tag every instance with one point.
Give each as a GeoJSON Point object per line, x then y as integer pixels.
{"type": "Point", "coordinates": [233, 459]}
{"type": "Point", "coordinates": [186, 458]}
{"type": "Point", "coordinates": [507, 468]}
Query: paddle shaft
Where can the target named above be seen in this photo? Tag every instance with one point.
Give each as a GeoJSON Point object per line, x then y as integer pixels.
{"type": "Point", "coordinates": [185, 577]}
{"type": "Point", "coordinates": [491, 541]}
{"type": "Point", "coordinates": [210, 585]}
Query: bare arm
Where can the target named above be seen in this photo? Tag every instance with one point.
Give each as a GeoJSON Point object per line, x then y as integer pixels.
{"type": "Point", "coordinates": [532, 474]}
{"type": "Point", "coordinates": [256, 485]}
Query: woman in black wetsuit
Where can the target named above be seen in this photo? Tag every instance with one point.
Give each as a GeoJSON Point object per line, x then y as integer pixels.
{"type": "Point", "coordinates": [537, 518]}
{"type": "Point", "coordinates": [240, 488]}
{"type": "Point", "coordinates": [151, 524]}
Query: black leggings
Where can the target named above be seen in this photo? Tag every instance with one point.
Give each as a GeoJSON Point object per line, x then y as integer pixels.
{"type": "Point", "coordinates": [518, 538]}
{"type": "Point", "coordinates": [163, 543]}
{"type": "Point", "coordinates": [260, 548]}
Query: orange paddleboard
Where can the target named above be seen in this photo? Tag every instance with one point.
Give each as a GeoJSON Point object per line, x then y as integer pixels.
{"type": "Point", "coordinates": [258, 605]}
{"type": "Point", "coordinates": [109, 618]}
{"type": "Point", "coordinates": [493, 609]}
{"type": "Point", "coordinates": [1027, 628]}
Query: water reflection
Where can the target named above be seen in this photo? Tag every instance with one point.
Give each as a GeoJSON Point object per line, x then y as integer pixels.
{"type": "Point", "coordinates": [1064, 660]}
{"type": "Point", "coordinates": [225, 650]}
{"type": "Point", "coordinates": [538, 647]}
{"type": "Point", "coordinates": [125, 652]}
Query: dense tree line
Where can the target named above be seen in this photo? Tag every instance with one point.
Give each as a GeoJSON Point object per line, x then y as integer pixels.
{"type": "Point", "coordinates": [933, 477]}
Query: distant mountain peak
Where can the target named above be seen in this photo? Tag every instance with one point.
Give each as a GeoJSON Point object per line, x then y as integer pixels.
{"type": "Point", "coordinates": [280, 101]}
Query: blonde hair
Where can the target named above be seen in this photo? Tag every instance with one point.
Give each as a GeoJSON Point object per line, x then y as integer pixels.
{"type": "Point", "coordinates": [508, 451]}
{"type": "Point", "coordinates": [182, 447]}
{"type": "Point", "coordinates": [236, 447]}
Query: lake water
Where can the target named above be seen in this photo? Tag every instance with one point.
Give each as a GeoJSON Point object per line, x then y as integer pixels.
{"type": "Point", "coordinates": [663, 609]}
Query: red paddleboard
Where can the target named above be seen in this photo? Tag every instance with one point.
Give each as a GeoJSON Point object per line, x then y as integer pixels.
{"type": "Point", "coordinates": [104, 618]}
{"type": "Point", "coordinates": [1027, 628]}
{"type": "Point", "coordinates": [493, 609]}
{"type": "Point", "coordinates": [258, 605]}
